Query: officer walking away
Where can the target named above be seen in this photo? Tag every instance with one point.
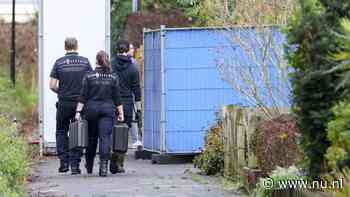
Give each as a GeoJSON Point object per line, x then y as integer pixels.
{"type": "Point", "coordinates": [130, 91]}
{"type": "Point", "coordinates": [100, 94]}
{"type": "Point", "coordinates": [135, 135]}
{"type": "Point", "coordinates": [66, 79]}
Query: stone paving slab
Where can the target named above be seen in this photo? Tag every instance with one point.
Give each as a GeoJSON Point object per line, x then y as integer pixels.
{"type": "Point", "coordinates": [142, 179]}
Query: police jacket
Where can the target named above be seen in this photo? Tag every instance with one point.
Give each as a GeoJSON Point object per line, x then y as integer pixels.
{"type": "Point", "coordinates": [100, 85]}
{"type": "Point", "coordinates": [129, 78]}
{"type": "Point", "coordinates": [69, 70]}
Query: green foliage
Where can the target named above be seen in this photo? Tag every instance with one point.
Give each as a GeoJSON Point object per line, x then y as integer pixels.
{"type": "Point", "coordinates": [339, 136]}
{"type": "Point", "coordinates": [8, 104]}
{"type": "Point", "coordinates": [207, 13]}
{"type": "Point", "coordinates": [345, 191]}
{"type": "Point", "coordinates": [14, 152]}
{"type": "Point", "coordinates": [279, 174]}
{"type": "Point", "coordinates": [343, 68]}
{"type": "Point", "coordinates": [188, 2]}
{"type": "Point", "coordinates": [148, 5]}
{"type": "Point", "coordinates": [120, 9]}
{"type": "Point", "coordinates": [312, 42]}
{"type": "Point", "coordinates": [14, 160]}
{"type": "Point", "coordinates": [211, 161]}
{"type": "Point", "coordinates": [15, 102]}
{"type": "Point", "coordinates": [238, 12]}
{"type": "Point", "coordinates": [275, 143]}
{"type": "Point", "coordinates": [27, 99]}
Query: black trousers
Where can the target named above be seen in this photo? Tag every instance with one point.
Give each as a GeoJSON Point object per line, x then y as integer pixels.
{"type": "Point", "coordinates": [65, 114]}
{"type": "Point", "coordinates": [101, 117]}
{"type": "Point", "coordinates": [128, 109]}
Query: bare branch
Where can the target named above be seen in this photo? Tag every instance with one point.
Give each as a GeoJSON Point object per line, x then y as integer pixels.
{"type": "Point", "coordinates": [255, 67]}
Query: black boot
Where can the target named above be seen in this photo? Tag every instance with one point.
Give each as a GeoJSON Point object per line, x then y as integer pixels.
{"type": "Point", "coordinates": [64, 167]}
{"type": "Point", "coordinates": [120, 163]}
{"type": "Point", "coordinates": [113, 164]}
{"type": "Point", "coordinates": [103, 168]}
{"type": "Point", "coordinates": [75, 170]}
{"type": "Point", "coordinates": [89, 165]}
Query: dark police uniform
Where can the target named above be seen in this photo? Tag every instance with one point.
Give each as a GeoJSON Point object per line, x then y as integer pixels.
{"type": "Point", "coordinates": [100, 94]}
{"type": "Point", "coordinates": [69, 70]}
{"type": "Point", "coordinates": [130, 91]}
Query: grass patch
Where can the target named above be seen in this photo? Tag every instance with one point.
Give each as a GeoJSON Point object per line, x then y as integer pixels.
{"type": "Point", "coordinates": [198, 179]}
{"type": "Point", "coordinates": [14, 162]}
{"type": "Point", "coordinates": [15, 154]}
{"type": "Point", "coordinates": [16, 102]}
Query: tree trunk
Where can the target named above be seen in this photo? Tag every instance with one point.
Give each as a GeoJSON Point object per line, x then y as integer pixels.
{"type": "Point", "coordinates": [226, 8]}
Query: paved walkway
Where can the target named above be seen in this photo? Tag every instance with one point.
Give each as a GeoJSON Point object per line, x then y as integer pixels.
{"type": "Point", "coordinates": [142, 179]}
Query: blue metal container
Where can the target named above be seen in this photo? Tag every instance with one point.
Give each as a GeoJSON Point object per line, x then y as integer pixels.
{"type": "Point", "coordinates": [183, 90]}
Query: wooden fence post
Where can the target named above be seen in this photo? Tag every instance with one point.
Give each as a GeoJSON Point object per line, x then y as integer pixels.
{"type": "Point", "coordinates": [238, 126]}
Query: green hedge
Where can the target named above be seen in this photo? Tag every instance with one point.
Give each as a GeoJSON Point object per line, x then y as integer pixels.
{"type": "Point", "coordinates": [15, 102]}
{"type": "Point", "coordinates": [211, 160]}
{"type": "Point", "coordinates": [14, 150]}
{"type": "Point", "coordinates": [14, 160]}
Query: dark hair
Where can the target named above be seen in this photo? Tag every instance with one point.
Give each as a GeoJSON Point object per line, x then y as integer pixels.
{"type": "Point", "coordinates": [70, 44]}
{"type": "Point", "coordinates": [123, 46]}
{"type": "Point", "coordinates": [102, 59]}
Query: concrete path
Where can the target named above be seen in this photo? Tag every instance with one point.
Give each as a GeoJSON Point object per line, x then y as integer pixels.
{"type": "Point", "coordinates": [142, 179]}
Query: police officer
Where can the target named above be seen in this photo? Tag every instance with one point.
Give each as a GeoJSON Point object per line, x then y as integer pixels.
{"type": "Point", "coordinates": [130, 91]}
{"type": "Point", "coordinates": [66, 78]}
{"type": "Point", "coordinates": [100, 95]}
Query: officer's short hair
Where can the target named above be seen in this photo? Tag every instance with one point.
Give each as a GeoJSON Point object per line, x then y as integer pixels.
{"type": "Point", "coordinates": [70, 44]}
{"type": "Point", "coordinates": [123, 46]}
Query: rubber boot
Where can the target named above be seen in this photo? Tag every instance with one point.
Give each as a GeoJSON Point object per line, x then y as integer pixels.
{"type": "Point", "coordinates": [103, 168]}
{"type": "Point", "coordinates": [75, 170]}
{"type": "Point", "coordinates": [120, 163]}
{"type": "Point", "coordinates": [113, 168]}
{"type": "Point", "coordinates": [64, 167]}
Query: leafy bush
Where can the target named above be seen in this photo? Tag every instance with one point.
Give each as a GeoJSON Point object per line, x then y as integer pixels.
{"type": "Point", "coordinates": [312, 41]}
{"type": "Point", "coordinates": [338, 129]}
{"type": "Point", "coordinates": [211, 161]}
{"type": "Point", "coordinates": [119, 15]}
{"type": "Point", "coordinates": [8, 103]}
{"type": "Point", "coordinates": [15, 102]}
{"type": "Point", "coordinates": [345, 191]}
{"type": "Point", "coordinates": [13, 162]}
{"type": "Point", "coordinates": [279, 174]}
{"type": "Point", "coordinates": [343, 57]}
{"type": "Point", "coordinates": [339, 136]}
{"type": "Point", "coordinates": [275, 143]}
{"type": "Point", "coordinates": [14, 152]}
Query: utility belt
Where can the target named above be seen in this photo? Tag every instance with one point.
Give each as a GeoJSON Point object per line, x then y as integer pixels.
{"type": "Point", "coordinates": [68, 100]}
{"type": "Point", "coordinates": [100, 103]}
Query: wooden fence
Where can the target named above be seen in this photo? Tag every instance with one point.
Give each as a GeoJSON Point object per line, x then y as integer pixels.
{"type": "Point", "coordinates": [239, 123]}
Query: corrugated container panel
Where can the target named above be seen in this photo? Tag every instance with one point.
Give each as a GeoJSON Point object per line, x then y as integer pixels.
{"type": "Point", "coordinates": [152, 91]}
{"type": "Point", "coordinates": [194, 89]}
